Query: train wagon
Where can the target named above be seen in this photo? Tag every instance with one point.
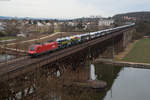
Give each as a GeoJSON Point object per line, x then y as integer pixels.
{"type": "Point", "coordinates": [85, 37]}
{"type": "Point", "coordinates": [63, 42]}
{"type": "Point", "coordinates": [76, 39]}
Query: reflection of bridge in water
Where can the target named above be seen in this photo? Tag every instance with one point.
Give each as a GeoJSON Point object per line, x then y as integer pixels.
{"type": "Point", "coordinates": [27, 75]}
{"type": "Point", "coordinates": [51, 87]}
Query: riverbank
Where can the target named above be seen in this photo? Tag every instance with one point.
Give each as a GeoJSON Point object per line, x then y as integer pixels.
{"type": "Point", "coordinates": [140, 53]}
{"type": "Point", "coordinates": [7, 38]}
{"type": "Point", "coordinates": [123, 63]}
{"type": "Point", "coordinates": [137, 54]}
{"type": "Point", "coordinates": [121, 55]}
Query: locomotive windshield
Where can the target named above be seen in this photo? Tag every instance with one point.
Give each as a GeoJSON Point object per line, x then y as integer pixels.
{"type": "Point", "coordinates": [32, 48]}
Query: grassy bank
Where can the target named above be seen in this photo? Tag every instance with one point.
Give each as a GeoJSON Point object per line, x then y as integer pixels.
{"type": "Point", "coordinates": [140, 52]}
{"type": "Point", "coordinates": [7, 38]}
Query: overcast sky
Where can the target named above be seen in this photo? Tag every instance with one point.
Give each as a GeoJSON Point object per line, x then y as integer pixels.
{"type": "Point", "coordinates": [70, 8]}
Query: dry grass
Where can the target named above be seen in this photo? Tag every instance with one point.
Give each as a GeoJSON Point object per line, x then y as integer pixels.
{"type": "Point", "coordinates": [23, 44]}
{"type": "Point", "coordinates": [140, 52]}
{"type": "Point", "coordinates": [121, 55]}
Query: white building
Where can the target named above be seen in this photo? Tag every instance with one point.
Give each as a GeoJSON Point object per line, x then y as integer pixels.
{"type": "Point", "coordinates": [48, 24]}
{"type": "Point", "coordinates": [39, 24]}
{"type": "Point", "coordinates": [105, 22]}
{"type": "Point", "coordinates": [71, 23]}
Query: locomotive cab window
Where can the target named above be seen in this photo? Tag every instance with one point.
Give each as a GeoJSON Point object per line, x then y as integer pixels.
{"type": "Point", "coordinates": [32, 48]}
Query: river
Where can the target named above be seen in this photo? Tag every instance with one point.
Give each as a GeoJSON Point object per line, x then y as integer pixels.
{"type": "Point", "coordinates": [124, 83]}
{"type": "Point", "coordinates": [130, 84]}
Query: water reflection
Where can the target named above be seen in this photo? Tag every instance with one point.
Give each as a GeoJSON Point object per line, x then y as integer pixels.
{"type": "Point", "coordinates": [58, 73]}
{"type": "Point", "coordinates": [54, 91]}
{"type": "Point", "coordinates": [123, 84]}
{"type": "Point", "coordinates": [92, 72]}
{"type": "Point", "coordinates": [81, 74]}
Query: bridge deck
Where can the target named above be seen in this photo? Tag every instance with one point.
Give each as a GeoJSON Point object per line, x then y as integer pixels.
{"type": "Point", "coordinates": [14, 68]}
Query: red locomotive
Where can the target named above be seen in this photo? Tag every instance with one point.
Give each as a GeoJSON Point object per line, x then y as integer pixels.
{"type": "Point", "coordinates": [38, 49]}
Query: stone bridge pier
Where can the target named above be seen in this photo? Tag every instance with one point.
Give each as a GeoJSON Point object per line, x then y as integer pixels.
{"type": "Point", "coordinates": [117, 44]}
{"type": "Point", "coordinates": [128, 37]}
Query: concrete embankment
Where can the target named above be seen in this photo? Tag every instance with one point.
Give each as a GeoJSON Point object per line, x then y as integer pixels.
{"type": "Point", "coordinates": [123, 63]}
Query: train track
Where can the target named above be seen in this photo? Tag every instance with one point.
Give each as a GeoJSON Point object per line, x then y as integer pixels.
{"type": "Point", "coordinates": [13, 60]}
{"type": "Point", "coordinates": [20, 64]}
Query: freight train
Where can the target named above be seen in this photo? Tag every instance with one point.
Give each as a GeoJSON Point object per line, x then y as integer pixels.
{"type": "Point", "coordinates": [60, 43]}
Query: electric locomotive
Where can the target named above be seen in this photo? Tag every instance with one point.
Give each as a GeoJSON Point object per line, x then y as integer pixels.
{"type": "Point", "coordinates": [38, 49]}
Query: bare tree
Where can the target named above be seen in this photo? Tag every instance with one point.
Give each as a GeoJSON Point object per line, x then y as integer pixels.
{"type": "Point", "coordinates": [12, 28]}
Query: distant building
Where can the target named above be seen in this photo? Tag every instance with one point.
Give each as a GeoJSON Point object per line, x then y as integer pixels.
{"type": "Point", "coordinates": [48, 24]}
{"type": "Point", "coordinates": [71, 23]}
{"type": "Point", "coordinates": [129, 18]}
{"type": "Point", "coordinates": [105, 22]}
{"type": "Point", "coordinates": [39, 24]}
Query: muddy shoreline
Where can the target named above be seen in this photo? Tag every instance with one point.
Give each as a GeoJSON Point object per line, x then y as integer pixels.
{"type": "Point", "coordinates": [123, 63]}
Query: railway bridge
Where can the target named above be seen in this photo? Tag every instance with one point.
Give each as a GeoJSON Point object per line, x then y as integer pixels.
{"type": "Point", "coordinates": [27, 68]}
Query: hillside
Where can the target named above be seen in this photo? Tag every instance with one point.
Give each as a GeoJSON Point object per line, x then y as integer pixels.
{"type": "Point", "coordinates": [142, 20]}
{"type": "Point", "coordinates": [138, 16]}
